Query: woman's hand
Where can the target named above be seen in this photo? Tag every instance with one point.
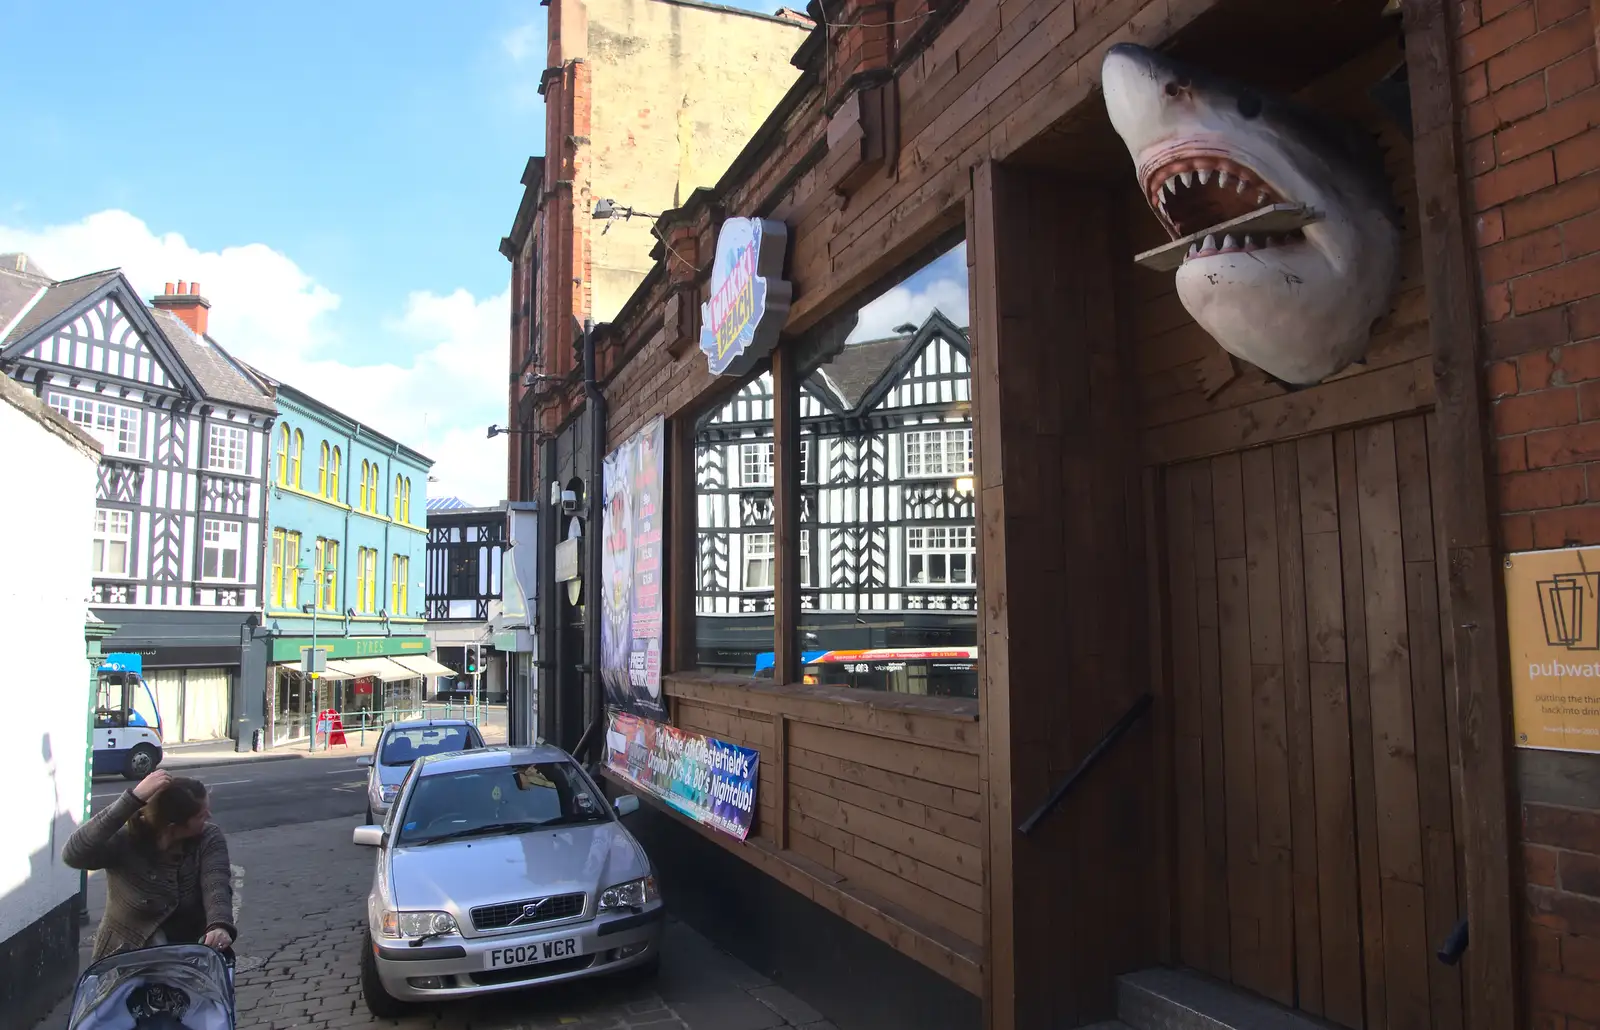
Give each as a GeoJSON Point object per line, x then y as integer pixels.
{"type": "Point", "coordinates": [217, 938]}
{"type": "Point", "coordinates": [152, 785]}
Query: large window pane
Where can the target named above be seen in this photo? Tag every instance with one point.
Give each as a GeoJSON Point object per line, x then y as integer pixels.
{"type": "Point", "coordinates": [734, 548]}
{"type": "Point", "coordinates": [888, 531]}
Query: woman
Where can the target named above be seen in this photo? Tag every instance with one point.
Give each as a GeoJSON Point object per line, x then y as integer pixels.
{"type": "Point", "coordinates": [167, 873]}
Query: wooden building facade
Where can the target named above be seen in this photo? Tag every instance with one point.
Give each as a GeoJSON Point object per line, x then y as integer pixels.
{"type": "Point", "coordinates": [1275, 618]}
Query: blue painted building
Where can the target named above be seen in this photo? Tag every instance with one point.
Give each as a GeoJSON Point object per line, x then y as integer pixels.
{"type": "Point", "coordinates": [346, 555]}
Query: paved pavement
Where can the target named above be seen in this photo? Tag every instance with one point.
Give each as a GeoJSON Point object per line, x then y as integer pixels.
{"type": "Point", "coordinates": [300, 892]}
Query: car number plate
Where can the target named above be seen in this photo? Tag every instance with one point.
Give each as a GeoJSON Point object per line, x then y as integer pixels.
{"type": "Point", "coordinates": [528, 954]}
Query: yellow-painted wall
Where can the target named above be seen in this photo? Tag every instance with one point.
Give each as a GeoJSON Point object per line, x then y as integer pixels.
{"type": "Point", "coordinates": [677, 89]}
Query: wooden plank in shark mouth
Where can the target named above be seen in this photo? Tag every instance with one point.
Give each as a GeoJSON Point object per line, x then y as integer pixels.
{"type": "Point", "coordinates": [1272, 219]}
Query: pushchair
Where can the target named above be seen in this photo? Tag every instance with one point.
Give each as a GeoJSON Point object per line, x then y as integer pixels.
{"type": "Point", "coordinates": [169, 987]}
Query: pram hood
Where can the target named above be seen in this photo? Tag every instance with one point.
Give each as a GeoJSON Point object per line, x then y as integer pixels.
{"type": "Point", "coordinates": [204, 978]}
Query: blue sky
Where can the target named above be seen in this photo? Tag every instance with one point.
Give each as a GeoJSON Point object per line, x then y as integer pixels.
{"type": "Point", "coordinates": [337, 176]}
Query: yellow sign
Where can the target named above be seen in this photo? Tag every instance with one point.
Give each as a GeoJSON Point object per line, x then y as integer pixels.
{"type": "Point", "coordinates": [1553, 611]}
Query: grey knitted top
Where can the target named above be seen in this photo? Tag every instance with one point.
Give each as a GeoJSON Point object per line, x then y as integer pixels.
{"type": "Point", "coordinates": [145, 887]}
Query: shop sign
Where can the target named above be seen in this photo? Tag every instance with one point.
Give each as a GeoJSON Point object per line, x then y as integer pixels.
{"type": "Point", "coordinates": [1553, 617]}
{"type": "Point", "coordinates": [630, 578]}
{"type": "Point", "coordinates": [749, 302]}
{"type": "Point", "coordinates": [288, 649]}
{"type": "Point", "coordinates": [709, 780]}
{"type": "Point", "coordinates": [566, 561]}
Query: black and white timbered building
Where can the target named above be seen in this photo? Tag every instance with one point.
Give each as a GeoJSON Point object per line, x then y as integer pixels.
{"type": "Point", "coordinates": [887, 517]}
{"type": "Point", "coordinates": [177, 534]}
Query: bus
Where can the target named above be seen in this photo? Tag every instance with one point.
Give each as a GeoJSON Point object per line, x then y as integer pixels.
{"type": "Point", "coordinates": [934, 672]}
{"type": "Point", "coordinates": [127, 723]}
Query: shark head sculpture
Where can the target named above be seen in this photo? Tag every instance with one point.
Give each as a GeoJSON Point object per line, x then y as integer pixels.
{"type": "Point", "coordinates": [1298, 304]}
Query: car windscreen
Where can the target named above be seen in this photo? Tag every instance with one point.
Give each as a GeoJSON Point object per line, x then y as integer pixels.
{"type": "Point", "coordinates": [499, 800]}
{"type": "Point", "coordinates": [402, 747]}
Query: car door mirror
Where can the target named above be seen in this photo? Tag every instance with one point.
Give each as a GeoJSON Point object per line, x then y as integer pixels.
{"type": "Point", "coordinates": [368, 836]}
{"type": "Point", "coordinates": [365, 760]}
{"type": "Point", "coordinates": [627, 804]}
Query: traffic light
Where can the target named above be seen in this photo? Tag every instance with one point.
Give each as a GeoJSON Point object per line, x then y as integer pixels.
{"type": "Point", "coordinates": [472, 662]}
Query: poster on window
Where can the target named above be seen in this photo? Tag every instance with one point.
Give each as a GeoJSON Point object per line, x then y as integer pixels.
{"type": "Point", "coordinates": [708, 780]}
{"type": "Point", "coordinates": [630, 594]}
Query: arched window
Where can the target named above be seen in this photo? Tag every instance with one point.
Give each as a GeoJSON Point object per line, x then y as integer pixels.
{"type": "Point", "coordinates": [372, 489]}
{"type": "Point", "coordinates": [366, 468]}
{"type": "Point", "coordinates": [399, 510]}
{"type": "Point", "coordinates": [299, 448]}
{"type": "Point", "coordinates": [322, 472]}
{"type": "Point", "coordinates": [408, 499]}
{"type": "Point", "coordinates": [283, 454]}
{"type": "Point", "coordinates": [333, 476]}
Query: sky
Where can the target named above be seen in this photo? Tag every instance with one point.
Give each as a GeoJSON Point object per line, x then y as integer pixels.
{"type": "Point", "coordinates": [337, 177]}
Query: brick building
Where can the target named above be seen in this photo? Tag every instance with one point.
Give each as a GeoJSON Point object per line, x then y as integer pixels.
{"type": "Point", "coordinates": [1255, 641]}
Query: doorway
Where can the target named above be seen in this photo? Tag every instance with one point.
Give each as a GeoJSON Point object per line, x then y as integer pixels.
{"type": "Point", "coordinates": [1315, 852]}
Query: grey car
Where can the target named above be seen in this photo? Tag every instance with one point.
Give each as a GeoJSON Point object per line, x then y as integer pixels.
{"type": "Point", "coordinates": [499, 869]}
{"type": "Point", "coordinates": [403, 743]}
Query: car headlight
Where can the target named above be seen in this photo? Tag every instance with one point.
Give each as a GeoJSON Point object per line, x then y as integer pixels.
{"type": "Point", "coordinates": [418, 924]}
{"type": "Point", "coordinates": [633, 894]}
{"type": "Point", "coordinates": [389, 793]}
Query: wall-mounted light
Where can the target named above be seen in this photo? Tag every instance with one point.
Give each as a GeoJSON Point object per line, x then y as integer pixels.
{"type": "Point", "coordinates": [495, 431]}
{"type": "Point", "coordinates": [609, 210]}
{"type": "Point", "coordinates": [964, 485]}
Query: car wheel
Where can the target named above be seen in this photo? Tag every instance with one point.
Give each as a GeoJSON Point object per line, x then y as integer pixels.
{"type": "Point", "coordinates": [141, 762]}
{"type": "Point", "coordinates": [380, 1002]}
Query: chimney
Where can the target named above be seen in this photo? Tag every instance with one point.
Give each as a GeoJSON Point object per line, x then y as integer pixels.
{"type": "Point", "coordinates": [185, 302]}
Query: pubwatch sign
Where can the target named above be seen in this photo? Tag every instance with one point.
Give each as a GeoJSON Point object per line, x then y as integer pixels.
{"type": "Point", "coordinates": [749, 302]}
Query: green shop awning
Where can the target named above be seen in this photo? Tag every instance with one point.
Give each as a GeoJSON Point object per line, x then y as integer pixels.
{"type": "Point", "coordinates": [287, 649]}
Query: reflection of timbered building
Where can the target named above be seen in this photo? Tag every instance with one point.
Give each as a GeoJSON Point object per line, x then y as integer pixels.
{"type": "Point", "coordinates": [888, 551]}
{"type": "Point", "coordinates": [176, 538]}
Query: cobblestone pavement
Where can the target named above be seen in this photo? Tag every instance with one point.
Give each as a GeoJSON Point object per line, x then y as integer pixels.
{"type": "Point", "coordinates": [301, 892]}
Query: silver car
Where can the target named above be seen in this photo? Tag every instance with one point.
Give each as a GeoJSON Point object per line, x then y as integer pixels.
{"type": "Point", "coordinates": [498, 869]}
{"type": "Point", "coordinates": [403, 743]}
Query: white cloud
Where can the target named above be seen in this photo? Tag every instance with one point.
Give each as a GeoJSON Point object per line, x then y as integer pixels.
{"type": "Point", "coordinates": [271, 313]}
{"type": "Point", "coordinates": [522, 41]}
{"type": "Point", "coordinates": [902, 304]}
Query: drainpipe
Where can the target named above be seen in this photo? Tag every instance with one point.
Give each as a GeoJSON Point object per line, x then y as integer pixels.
{"type": "Point", "coordinates": [594, 500]}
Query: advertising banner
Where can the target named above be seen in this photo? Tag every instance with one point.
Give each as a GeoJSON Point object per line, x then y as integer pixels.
{"type": "Point", "coordinates": [1553, 616]}
{"type": "Point", "coordinates": [630, 587]}
{"type": "Point", "coordinates": [708, 780]}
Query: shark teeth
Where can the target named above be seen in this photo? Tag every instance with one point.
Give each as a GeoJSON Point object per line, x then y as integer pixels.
{"type": "Point", "coordinates": [1222, 178]}
{"type": "Point", "coordinates": [1187, 178]}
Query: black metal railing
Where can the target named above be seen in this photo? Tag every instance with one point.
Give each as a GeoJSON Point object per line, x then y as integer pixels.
{"type": "Point", "coordinates": [1118, 728]}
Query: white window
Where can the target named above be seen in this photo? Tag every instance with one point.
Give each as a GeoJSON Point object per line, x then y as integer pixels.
{"type": "Point", "coordinates": [938, 452]}
{"type": "Point", "coordinates": [226, 449]}
{"type": "Point", "coordinates": [755, 464]}
{"type": "Point", "coordinates": [113, 531]}
{"type": "Point", "coordinates": [940, 556]}
{"type": "Point", "coordinates": [220, 558]}
{"type": "Point", "coordinates": [114, 425]}
{"type": "Point", "coordinates": [760, 561]}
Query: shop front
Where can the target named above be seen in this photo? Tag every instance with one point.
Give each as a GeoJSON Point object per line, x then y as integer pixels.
{"type": "Point", "coordinates": [369, 681]}
{"type": "Point", "coordinates": [1051, 467]}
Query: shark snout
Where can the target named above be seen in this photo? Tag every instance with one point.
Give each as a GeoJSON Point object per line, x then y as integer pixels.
{"type": "Point", "coordinates": [1146, 94]}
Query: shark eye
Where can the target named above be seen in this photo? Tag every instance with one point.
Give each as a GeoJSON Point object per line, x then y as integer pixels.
{"type": "Point", "coordinates": [1250, 105]}
{"type": "Point", "coordinates": [1173, 89]}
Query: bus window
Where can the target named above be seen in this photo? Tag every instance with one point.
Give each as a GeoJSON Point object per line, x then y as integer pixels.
{"type": "Point", "coordinates": [109, 711]}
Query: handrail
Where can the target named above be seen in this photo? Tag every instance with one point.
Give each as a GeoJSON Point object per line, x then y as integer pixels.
{"type": "Point", "coordinates": [1118, 728]}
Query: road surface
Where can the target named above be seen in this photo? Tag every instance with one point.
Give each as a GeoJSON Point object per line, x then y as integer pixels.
{"type": "Point", "coordinates": [261, 794]}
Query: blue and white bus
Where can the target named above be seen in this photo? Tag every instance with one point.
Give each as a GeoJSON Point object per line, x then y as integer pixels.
{"type": "Point", "coordinates": [127, 723]}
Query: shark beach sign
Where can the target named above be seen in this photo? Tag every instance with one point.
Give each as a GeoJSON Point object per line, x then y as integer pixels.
{"type": "Point", "coordinates": [749, 300]}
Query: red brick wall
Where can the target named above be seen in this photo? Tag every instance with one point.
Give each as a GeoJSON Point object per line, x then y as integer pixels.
{"type": "Point", "coordinates": [1531, 135]}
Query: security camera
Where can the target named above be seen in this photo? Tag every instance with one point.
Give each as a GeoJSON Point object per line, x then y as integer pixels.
{"type": "Point", "coordinates": [569, 502]}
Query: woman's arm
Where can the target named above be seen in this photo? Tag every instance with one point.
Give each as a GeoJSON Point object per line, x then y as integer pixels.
{"type": "Point", "coordinates": [101, 842]}
{"type": "Point", "coordinates": [216, 882]}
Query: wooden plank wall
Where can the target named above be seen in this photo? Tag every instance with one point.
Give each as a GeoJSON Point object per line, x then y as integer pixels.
{"type": "Point", "coordinates": [1195, 400]}
{"type": "Point", "coordinates": [1316, 779]}
{"type": "Point", "coordinates": [1063, 608]}
{"type": "Point", "coordinates": [886, 800]}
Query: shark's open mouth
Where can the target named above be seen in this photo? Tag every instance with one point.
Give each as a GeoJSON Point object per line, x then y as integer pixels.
{"type": "Point", "coordinates": [1190, 193]}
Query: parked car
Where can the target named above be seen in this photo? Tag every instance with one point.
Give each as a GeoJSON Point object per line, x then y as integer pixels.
{"type": "Point", "coordinates": [403, 743]}
{"type": "Point", "coordinates": [500, 869]}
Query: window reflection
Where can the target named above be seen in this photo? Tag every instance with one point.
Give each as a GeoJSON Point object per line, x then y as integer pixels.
{"type": "Point", "coordinates": [888, 516]}
{"type": "Point", "coordinates": [735, 552]}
